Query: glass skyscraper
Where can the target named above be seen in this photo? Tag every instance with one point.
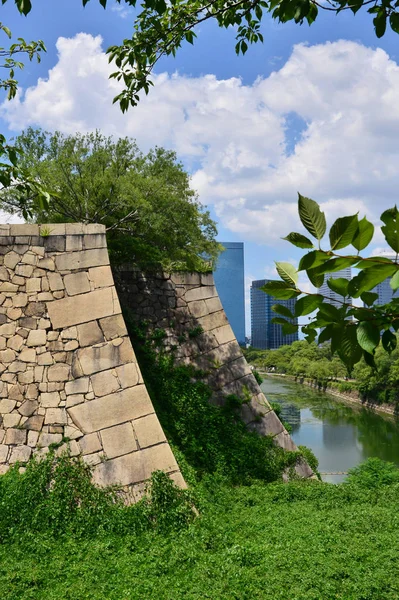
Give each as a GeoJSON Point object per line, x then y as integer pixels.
{"type": "Point", "coordinates": [229, 281]}
{"type": "Point", "coordinates": [265, 334]}
{"type": "Point", "coordinates": [332, 297]}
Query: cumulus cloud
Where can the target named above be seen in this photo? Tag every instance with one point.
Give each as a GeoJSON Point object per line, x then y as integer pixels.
{"type": "Point", "coordinates": [236, 138]}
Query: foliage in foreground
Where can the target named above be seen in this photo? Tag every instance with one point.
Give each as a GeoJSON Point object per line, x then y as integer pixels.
{"type": "Point", "coordinates": [161, 28]}
{"type": "Point", "coordinates": [355, 332]}
{"type": "Point", "coordinates": [302, 540]}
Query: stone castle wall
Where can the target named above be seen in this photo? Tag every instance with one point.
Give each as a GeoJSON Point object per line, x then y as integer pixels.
{"type": "Point", "coordinates": [186, 306]}
{"type": "Point", "coordinates": [68, 373]}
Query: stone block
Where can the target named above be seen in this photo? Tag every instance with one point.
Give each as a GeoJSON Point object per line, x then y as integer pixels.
{"type": "Point", "coordinates": [33, 284]}
{"type": "Point", "coordinates": [24, 229]}
{"type": "Point", "coordinates": [83, 308]}
{"type": "Point", "coordinates": [47, 264]}
{"type": "Point", "coordinates": [7, 356]}
{"type": "Point", "coordinates": [28, 408]}
{"type": "Point", "coordinates": [100, 358]}
{"type": "Point", "coordinates": [118, 440]}
{"type": "Point", "coordinates": [239, 368]}
{"type": "Point", "coordinates": [15, 343]}
{"type": "Point", "coordinates": [74, 399]}
{"type": "Point", "coordinates": [101, 277]}
{"type": "Point", "coordinates": [33, 437]}
{"type": "Point", "coordinates": [90, 443]}
{"type": "Point", "coordinates": [213, 321]}
{"type": "Point", "coordinates": [52, 229]}
{"type": "Point", "coordinates": [69, 334]}
{"type": "Point", "coordinates": [49, 399]}
{"type": "Point", "coordinates": [135, 467]}
{"type": "Point", "coordinates": [55, 282]}
{"type": "Point", "coordinates": [54, 243]}
{"type": "Point", "coordinates": [20, 454]}
{"type": "Point", "coordinates": [74, 243]}
{"type": "Point", "coordinates": [55, 416]}
{"type": "Point", "coordinates": [28, 323]}
{"type": "Point", "coordinates": [20, 300]}
{"type": "Point", "coordinates": [24, 270]}
{"type": "Point", "coordinates": [128, 375]}
{"type": "Point", "coordinates": [77, 283]}
{"type": "Point", "coordinates": [114, 409]}
{"type": "Point", "coordinates": [45, 359]}
{"type": "Point", "coordinates": [213, 304]}
{"type": "Point", "coordinates": [105, 382]}
{"type": "Point", "coordinates": [28, 355]}
{"type": "Point", "coordinates": [46, 439]}
{"type": "Point", "coordinates": [89, 334]}
{"type": "Point", "coordinates": [71, 345]}
{"type": "Point", "coordinates": [148, 431]}
{"type": "Point", "coordinates": [269, 424]}
{"type": "Point", "coordinates": [58, 372]}
{"type": "Point", "coordinates": [113, 327]}
{"type": "Point", "coordinates": [94, 240]}
{"type": "Point", "coordinates": [14, 313]}
{"type": "Point", "coordinates": [284, 440]}
{"type": "Point", "coordinates": [11, 260]}
{"type": "Point", "coordinates": [15, 436]}
{"type": "Point", "coordinates": [224, 334]}
{"type": "Point", "coordinates": [11, 420]}
{"type": "Point", "coordinates": [35, 309]}
{"type": "Point", "coordinates": [201, 293]}
{"type": "Point", "coordinates": [7, 406]}
{"type": "Point", "coordinates": [36, 337]}
{"type": "Point", "coordinates": [85, 259]}
{"type": "Point", "coordinates": [74, 228]}
{"type": "Point", "coordinates": [77, 386]}
{"type": "Point", "coordinates": [198, 308]}
{"type": "Point", "coordinates": [3, 453]}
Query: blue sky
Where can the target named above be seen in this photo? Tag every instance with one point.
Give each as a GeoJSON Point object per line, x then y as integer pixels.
{"type": "Point", "coordinates": [313, 109]}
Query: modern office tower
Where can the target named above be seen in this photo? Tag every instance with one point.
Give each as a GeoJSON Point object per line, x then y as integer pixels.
{"type": "Point", "coordinates": [265, 334]}
{"type": "Point", "coordinates": [330, 296]}
{"type": "Point", "coordinates": [229, 281]}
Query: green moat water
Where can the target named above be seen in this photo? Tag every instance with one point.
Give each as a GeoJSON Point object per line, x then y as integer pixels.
{"type": "Point", "coordinates": [341, 436]}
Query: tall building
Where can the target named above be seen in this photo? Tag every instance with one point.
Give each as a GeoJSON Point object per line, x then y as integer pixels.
{"type": "Point", "coordinates": [229, 281]}
{"type": "Point", "coordinates": [330, 296]}
{"type": "Point", "coordinates": [265, 334]}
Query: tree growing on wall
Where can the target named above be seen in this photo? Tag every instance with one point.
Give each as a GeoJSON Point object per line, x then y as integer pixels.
{"type": "Point", "coordinates": [151, 214]}
{"type": "Point", "coordinates": [355, 332]}
{"type": "Point", "coordinates": [162, 27]}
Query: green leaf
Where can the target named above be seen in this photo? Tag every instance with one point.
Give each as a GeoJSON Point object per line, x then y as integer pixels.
{"type": "Point", "coordinates": [315, 277]}
{"type": "Point", "coordinates": [369, 278]}
{"type": "Point", "coordinates": [337, 264]}
{"type": "Point", "coordinates": [343, 231]}
{"type": "Point", "coordinates": [349, 350]}
{"type": "Point", "coordinates": [369, 298]}
{"type": "Point", "coordinates": [307, 304]}
{"type": "Point", "coordinates": [330, 312]}
{"type": "Point", "coordinates": [360, 314]}
{"type": "Point", "coordinates": [364, 234]}
{"type": "Point", "coordinates": [311, 217]}
{"type": "Point", "coordinates": [289, 328]}
{"type": "Point", "coordinates": [369, 360]}
{"type": "Point", "coordinates": [279, 321]}
{"type": "Point", "coordinates": [389, 341]}
{"type": "Point", "coordinates": [287, 272]}
{"type": "Point", "coordinates": [280, 290]}
{"type": "Point", "coordinates": [282, 310]}
{"type": "Point", "coordinates": [391, 228]}
{"type": "Point", "coordinates": [312, 259]}
{"type": "Point", "coordinates": [299, 240]}
{"type": "Point", "coordinates": [394, 283]}
{"type": "Point", "coordinates": [368, 336]}
{"type": "Point", "coordinates": [326, 334]}
{"type": "Point", "coordinates": [338, 285]}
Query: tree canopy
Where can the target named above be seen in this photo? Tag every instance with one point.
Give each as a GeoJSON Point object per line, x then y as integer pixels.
{"type": "Point", "coordinates": [161, 27]}
{"type": "Point", "coordinates": [151, 214]}
{"type": "Point", "coordinates": [355, 331]}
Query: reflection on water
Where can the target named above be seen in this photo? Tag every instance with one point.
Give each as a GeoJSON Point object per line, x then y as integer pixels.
{"type": "Point", "coordinates": [341, 436]}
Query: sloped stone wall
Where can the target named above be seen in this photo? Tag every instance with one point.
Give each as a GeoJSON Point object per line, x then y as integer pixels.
{"type": "Point", "coordinates": [186, 306]}
{"type": "Point", "coordinates": [68, 373]}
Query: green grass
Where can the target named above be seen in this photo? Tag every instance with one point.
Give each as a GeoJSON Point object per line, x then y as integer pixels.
{"type": "Point", "coordinates": [290, 542]}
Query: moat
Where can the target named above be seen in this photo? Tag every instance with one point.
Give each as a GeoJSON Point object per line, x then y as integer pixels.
{"type": "Point", "coordinates": [341, 436]}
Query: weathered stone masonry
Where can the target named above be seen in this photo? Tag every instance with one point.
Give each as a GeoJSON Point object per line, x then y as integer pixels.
{"type": "Point", "coordinates": [186, 306]}
{"type": "Point", "coordinates": [68, 373]}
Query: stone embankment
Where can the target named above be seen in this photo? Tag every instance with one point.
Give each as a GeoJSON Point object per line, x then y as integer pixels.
{"type": "Point", "coordinates": [186, 308]}
{"type": "Point", "coordinates": [68, 374]}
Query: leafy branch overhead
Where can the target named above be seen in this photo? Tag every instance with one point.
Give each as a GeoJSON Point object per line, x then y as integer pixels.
{"type": "Point", "coordinates": [161, 27]}
{"type": "Point", "coordinates": [354, 331]}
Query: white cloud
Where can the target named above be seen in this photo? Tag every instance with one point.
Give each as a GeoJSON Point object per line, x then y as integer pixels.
{"type": "Point", "coordinates": [233, 137]}
{"type": "Point", "coordinates": [122, 11]}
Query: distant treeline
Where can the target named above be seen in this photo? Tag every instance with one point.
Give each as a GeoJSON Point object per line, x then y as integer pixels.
{"type": "Point", "coordinates": [317, 364]}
